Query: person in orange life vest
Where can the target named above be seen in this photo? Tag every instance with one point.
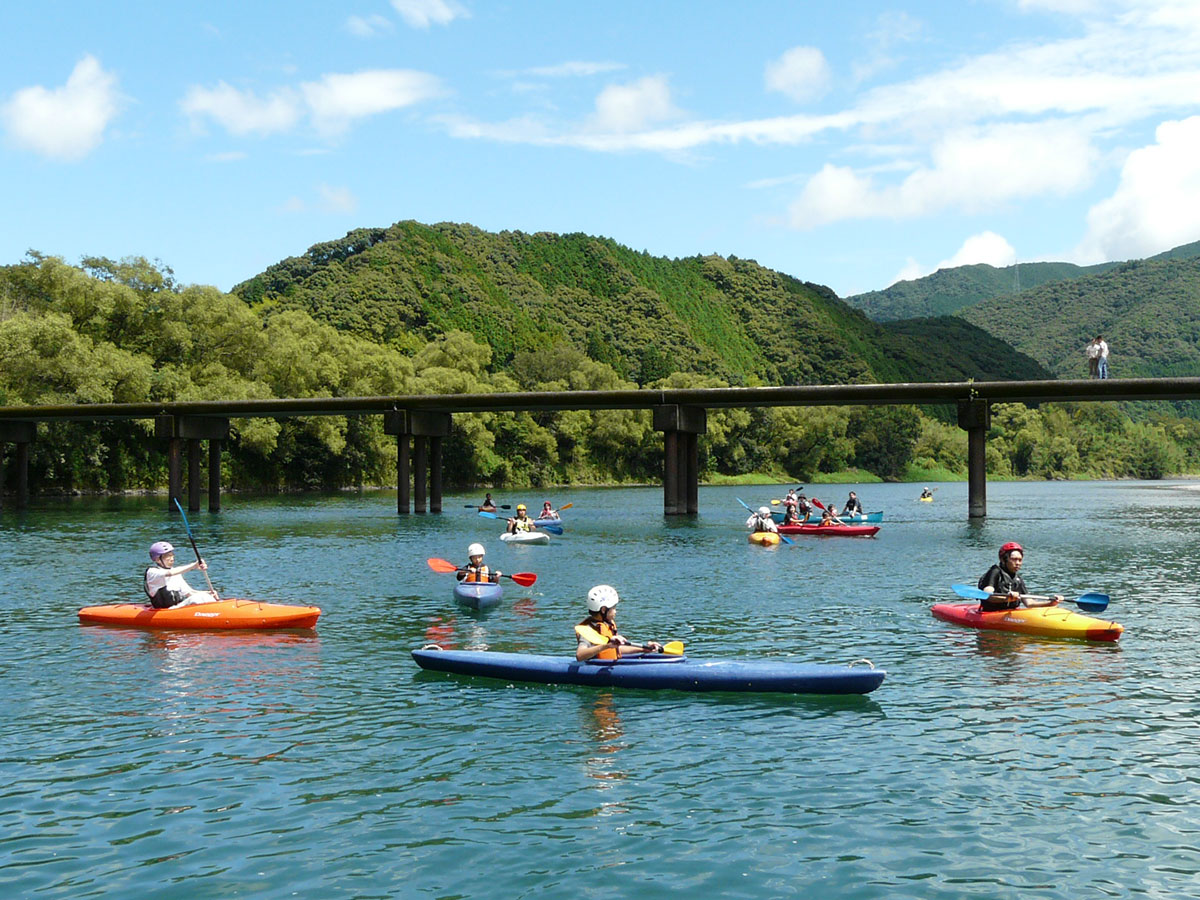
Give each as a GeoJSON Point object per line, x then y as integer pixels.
{"type": "Point", "coordinates": [598, 637]}
{"type": "Point", "coordinates": [829, 517]}
{"type": "Point", "coordinates": [521, 521]}
{"type": "Point", "coordinates": [475, 570]}
{"type": "Point", "coordinates": [1005, 585]}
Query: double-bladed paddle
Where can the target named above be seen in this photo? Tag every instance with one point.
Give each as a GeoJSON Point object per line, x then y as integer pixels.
{"type": "Point", "coordinates": [473, 506]}
{"type": "Point", "coordinates": [195, 549]}
{"type": "Point", "coordinates": [444, 567]}
{"type": "Point", "coordinates": [782, 537]}
{"type": "Point", "coordinates": [553, 529]}
{"type": "Point", "coordinates": [1092, 601]}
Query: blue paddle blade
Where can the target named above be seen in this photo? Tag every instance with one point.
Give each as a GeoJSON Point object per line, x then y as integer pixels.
{"type": "Point", "coordinates": [971, 593]}
{"type": "Point", "coordinates": [1092, 601]}
{"type": "Point", "coordinates": [553, 529]}
{"type": "Point", "coordinates": [488, 515]}
{"type": "Point", "coordinates": [786, 539]}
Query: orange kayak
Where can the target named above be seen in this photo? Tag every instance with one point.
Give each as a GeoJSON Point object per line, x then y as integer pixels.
{"type": "Point", "coordinates": [223, 614]}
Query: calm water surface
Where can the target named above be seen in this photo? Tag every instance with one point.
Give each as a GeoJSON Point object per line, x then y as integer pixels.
{"type": "Point", "coordinates": [326, 764]}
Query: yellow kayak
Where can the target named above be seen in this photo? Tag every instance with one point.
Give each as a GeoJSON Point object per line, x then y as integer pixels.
{"type": "Point", "coordinates": [764, 538]}
{"type": "Point", "coordinates": [1044, 621]}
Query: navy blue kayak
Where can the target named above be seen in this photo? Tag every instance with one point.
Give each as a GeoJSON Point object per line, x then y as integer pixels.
{"type": "Point", "coordinates": [657, 671]}
{"type": "Point", "coordinates": [478, 595]}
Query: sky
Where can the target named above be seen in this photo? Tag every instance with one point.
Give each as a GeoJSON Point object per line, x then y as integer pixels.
{"type": "Point", "coordinates": [849, 144]}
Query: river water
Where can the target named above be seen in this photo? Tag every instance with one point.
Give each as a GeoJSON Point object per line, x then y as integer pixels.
{"type": "Point", "coordinates": [325, 764]}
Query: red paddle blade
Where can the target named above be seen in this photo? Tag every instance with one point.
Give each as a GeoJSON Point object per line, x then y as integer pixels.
{"type": "Point", "coordinates": [817, 503]}
{"type": "Point", "coordinates": [441, 565]}
{"type": "Point", "coordinates": [525, 578]}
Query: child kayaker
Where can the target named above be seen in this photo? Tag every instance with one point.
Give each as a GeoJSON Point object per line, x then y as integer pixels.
{"type": "Point", "coordinates": [547, 512]}
{"type": "Point", "coordinates": [1005, 585]}
{"type": "Point", "coordinates": [598, 637]}
{"type": "Point", "coordinates": [762, 521]}
{"type": "Point", "coordinates": [164, 583]}
{"type": "Point", "coordinates": [475, 570]}
{"type": "Point", "coordinates": [521, 521]}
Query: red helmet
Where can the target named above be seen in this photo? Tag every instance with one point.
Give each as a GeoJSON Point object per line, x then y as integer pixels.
{"type": "Point", "coordinates": [1010, 547]}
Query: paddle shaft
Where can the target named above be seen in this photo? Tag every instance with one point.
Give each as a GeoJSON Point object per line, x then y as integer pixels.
{"type": "Point", "coordinates": [783, 537]}
{"type": "Point", "coordinates": [212, 590]}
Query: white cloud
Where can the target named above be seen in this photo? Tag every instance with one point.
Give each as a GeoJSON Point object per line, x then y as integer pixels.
{"type": "Point", "coordinates": [1156, 205]}
{"type": "Point", "coordinates": [986, 247]}
{"type": "Point", "coordinates": [368, 26]}
{"type": "Point", "coordinates": [336, 100]}
{"type": "Point", "coordinates": [337, 199]}
{"type": "Point", "coordinates": [243, 112]}
{"type": "Point", "coordinates": [970, 170]}
{"type": "Point", "coordinates": [423, 13]}
{"type": "Point", "coordinates": [574, 69]}
{"type": "Point", "coordinates": [801, 73]}
{"type": "Point", "coordinates": [630, 107]}
{"type": "Point", "coordinates": [68, 122]}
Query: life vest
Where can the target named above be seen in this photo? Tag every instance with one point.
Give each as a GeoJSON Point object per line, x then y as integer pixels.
{"type": "Point", "coordinates": [483, 573]}
{"type": "Point", "coordinates": [164, 597]}
{"type": "Point", "coordinates": [604, 630]}
{"type": "Point", "coordinates": [520, 524]}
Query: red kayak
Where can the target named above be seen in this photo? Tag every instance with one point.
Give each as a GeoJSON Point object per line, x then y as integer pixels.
{"type": "Point", "coordinates": [837, 530]}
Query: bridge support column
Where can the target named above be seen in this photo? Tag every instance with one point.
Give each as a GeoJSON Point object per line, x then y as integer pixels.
{"type": "Point", "coordinates": [175, 430]}
{"type": "Point", "coordinates": [681, 427]}
{"type": "Point", "coordinates": [21, 435]}
{"type": "Point", "coordinates": [975, 417]}
{"type": "Point", "coordinates": [426, 430]}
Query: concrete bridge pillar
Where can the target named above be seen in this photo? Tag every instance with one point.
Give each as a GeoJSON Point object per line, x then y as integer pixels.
{"type": "Point", "coordinates": [975, 417]}
{"type": "Point", "coordinates": [426, 430]}
{"type": "Point", "coordinates": [21, 435]}
{"type": "Point", "coordinates": [189, 431]}
{"type": "Point", "coordinates": [681, 427]}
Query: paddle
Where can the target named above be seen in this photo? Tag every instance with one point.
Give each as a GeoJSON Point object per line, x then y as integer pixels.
{"type": "Point", "coordinates": [444, 567]}
{"type": "Point", "coordinates": [782, 537]}
{"type": "Point", "coordinates": [195, 549]}
{"type": "Point", "coordinates": [501, 506]}
{"type": "Point", "coordinates": [1092, 601]}
{"type": "Point", "coordinates": [592, 636]}
{"type": "Point", "coordinates": [553, 529]}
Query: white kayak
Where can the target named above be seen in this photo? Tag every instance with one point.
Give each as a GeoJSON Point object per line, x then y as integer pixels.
{"type": "Point", "coordinates": [526, 537]}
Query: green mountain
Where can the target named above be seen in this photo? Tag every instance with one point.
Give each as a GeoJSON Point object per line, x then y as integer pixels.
{"type": "Point", "coordinates": [1148, 312]}
{"type": "Point", "coordinates": [645, 316]}
{"type": "Point", "coordinates": [947, 291]}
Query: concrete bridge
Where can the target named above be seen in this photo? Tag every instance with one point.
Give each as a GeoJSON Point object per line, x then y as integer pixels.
{"type": "Point", "coordinates": [421, 422]}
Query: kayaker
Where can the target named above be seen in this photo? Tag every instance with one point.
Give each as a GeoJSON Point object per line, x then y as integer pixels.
{"type": "Point", "coordinates": [475, 570]}
{"type": "Point", "coordinates": [547, 512]}
{"type": "Point", "coordinates": [790, 515]}
{"type": "Point", "coordinates": [803, 506]}
{"type": "Point", "coordinates": [598, 637]}
{"type": "Point", "coordinates": [164, 583]}
{"type": "Point", "coordinates": [926, 494]}
{"type": "Point", "coordinates": [488, 504]}
{"type": "Point", "coordinates": [1006, 586]}
{"type": "Point", "coordinates": [852, 506]}
{"type": "Point", "coordinates": [829, 516]}
{"type": "Point", "coordinates": [762, 521]}
{"type": "Point", "coordinates": [521, 521]}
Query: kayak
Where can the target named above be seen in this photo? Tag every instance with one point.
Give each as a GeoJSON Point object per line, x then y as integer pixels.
{"type": "Point", "coordinates": [925, 499]}
{"type": "Point", "coordinates": [478, 594]}
{"type": "Point", "coordinates": [657, 671]}
{"type": "Point", "coordinates": [836, 530]}
{"type": "Point", "coordinates": [526, 537]}
{"type": "Point", "coordinates": [1045, 621]}
{"type": "Point", "coordinates": [223, 614]}
{"type": "Point", "coordinates": [551, 521]}
{"type": "Point", "coordinates": [871, 518]}
{"type": "Point", "coordinates": [764, 538]}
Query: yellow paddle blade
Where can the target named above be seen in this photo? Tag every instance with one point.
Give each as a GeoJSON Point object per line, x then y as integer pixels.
{"type": "Point", "coordinates": [774, 502]}
{"type": "Point", "coordinates": [590, 634]}
{"type": "Point", "coordinates": [566, 506]}
{"type": "Point", "coordinates": [673, 647]}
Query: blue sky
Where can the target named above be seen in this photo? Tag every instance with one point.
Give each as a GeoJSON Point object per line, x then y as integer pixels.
{"type": "Point", "coordinates": [848, 144]}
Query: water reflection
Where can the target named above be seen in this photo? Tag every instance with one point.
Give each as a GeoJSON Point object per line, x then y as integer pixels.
{"type": "Point", "coordinates": [603, 725]}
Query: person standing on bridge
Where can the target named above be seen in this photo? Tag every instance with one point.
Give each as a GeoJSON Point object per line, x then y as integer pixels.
{"type": "Point", "coordinates": [1093, 357]}
{"type": "Point", "coordinates": [1102, 368]}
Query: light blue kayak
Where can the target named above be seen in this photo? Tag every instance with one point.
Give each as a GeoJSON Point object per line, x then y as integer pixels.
{"type": "Point", "coordinates": [478, 594]}
{"type": "Point", "coordinates": [871, 518]}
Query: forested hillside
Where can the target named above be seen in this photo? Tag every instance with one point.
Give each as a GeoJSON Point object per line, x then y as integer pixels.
{"type": "Point", "coordinates": [645, 316]}
{"type": "Point", "coordinates": [1148, 312]}
{"type": "Point", "coordinates": [947, 291]}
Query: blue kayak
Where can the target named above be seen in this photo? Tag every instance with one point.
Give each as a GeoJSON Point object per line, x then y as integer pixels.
{"type": "Point", "coordinates": [551, 521]}
{"type": "Point", "coordinates": [871, 518]}
{"type": "Point", "coordinates": [478, 595]}
{"type": "Point", "coordinates": [657, 671]}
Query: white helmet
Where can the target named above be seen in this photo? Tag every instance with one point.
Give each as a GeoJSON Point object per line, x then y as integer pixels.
{"type": "Point", "coordinates": [475, 550]}
{"type": "Point", "coordinates": [764, 511]}
{"type": "Point", "coordinates": [602, 596]}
